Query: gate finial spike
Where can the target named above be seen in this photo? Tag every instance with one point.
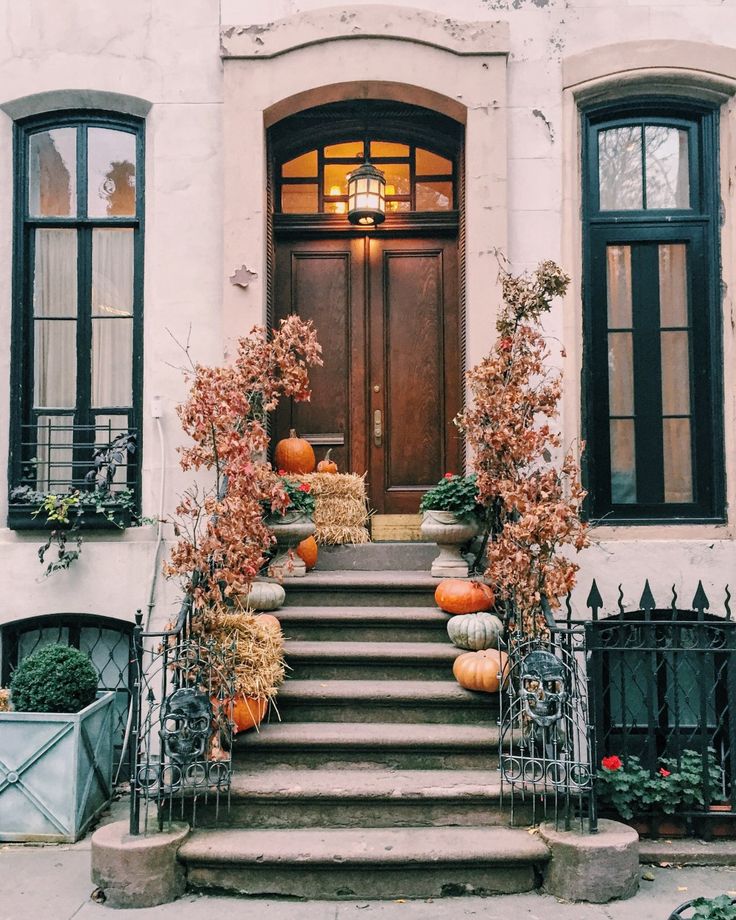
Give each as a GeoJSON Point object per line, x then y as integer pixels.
{"type": "Point", "coordinates": [647, 602]}
{"type": "Point", "coordinates": [700, 601]}
{"type": "Point", "coordinates": [594, 601]}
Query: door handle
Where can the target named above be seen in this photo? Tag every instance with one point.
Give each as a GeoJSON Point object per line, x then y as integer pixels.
{"type": "Point", "coordinates": [377, 428]}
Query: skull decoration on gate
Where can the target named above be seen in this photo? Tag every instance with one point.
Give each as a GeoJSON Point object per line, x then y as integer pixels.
{"type": "Point", "coordinates": [543, 694]}
{"type": "Point", "coordinates": [185, 725]}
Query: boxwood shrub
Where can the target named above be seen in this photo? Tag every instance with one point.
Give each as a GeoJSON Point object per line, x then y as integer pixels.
{"type": "Point", "coordinates": [55, 678]}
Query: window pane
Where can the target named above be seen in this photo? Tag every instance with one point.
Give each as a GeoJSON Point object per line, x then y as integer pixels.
{"type": "Point", "coordinates": [55, 363]}
{"type": "Point", "coordinates": [397, 178]}
{"type": "Point", "coordinates": [675, 373]}
{"type": "Point", "coordinates": [54, 452]}
{"type": "Point", "coordinates": [620, 169]}
{"type": "Point", "coordinates": [52, 173]}
{"type": "Point", "coordinates": [336, 207]}
{"type": "Point", "coordinates": [393, 206]}
{"type": "Point", "coordinates": [107, 428]}
{"type": "Point", "coordinates": [55, 273]}
{"type": "Point", "coordinates": [111, 173]}
{"type": "Point", "coordinates": [668, 181]}
{"type": "Point", "coordinates": [304, 166]}
{"type": "Point", "coordinates": [434, 196]}
{"type": "Point", "coordinates": [350, 149]}
{"type": "Point", "coordinates": [673, 285]}
{"type": "Point", "coordinates": [429, 164]}
{"type": "Point", "coordinates": [33, 639]}
{"type": "Point", "coordinates": [112, 362]}
{"type": "Point", "coordinates": [678, 472]}
{"type": "Point", "coordinates": [109, 652]}
{"type": "Point", "coordinates": [112, 272]}
{"type": "Point", "coordinates": [621, 373]}
{"type": "Point", "coordinates": [623, 462]}
{"type": "Point", "coordinates": [618, 274]}
{"type": "Point", "coordinates": [299, 199]}
{"type": "Point", "coordinates": [385, 149]}
{"type": "Point", "coordinates": [336, 179]}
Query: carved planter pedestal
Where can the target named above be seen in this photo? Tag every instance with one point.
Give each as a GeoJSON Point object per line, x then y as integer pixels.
{"type": "Point", "coordinates": [449, 532]}
{"type": "Point", "coordinates": [289, 529]}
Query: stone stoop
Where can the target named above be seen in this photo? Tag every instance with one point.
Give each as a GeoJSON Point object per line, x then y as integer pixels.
{"type": "Point", "coordinates": [381, 779]}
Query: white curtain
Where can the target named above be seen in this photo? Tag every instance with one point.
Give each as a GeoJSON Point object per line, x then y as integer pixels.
{"type": "Point", "coordinates": [112, 317]}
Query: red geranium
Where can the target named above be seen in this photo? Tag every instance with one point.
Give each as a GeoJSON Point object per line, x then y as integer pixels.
{"type": "Point", "coordinates": [612, 763]}
{"type": "Point", "coordinates": [449, 476]}
{"type": "Point", "coordinates": [305, 487]}
{"type": "Point", "coordinates": [663, 772]}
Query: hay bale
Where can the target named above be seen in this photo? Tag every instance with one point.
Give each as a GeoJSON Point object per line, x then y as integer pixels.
{"type": "Point", "coordinates": [4, 700]}
{"type": "Point", "coordinates": [341, 507]}
{"type": "Point", "coordinates": [257, 648]}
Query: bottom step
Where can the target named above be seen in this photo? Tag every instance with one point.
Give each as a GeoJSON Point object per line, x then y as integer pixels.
{"type": "Point", "coordinates": [340, 863]}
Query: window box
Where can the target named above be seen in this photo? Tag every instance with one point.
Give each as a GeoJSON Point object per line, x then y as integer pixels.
{"type": "Point", "coordinates": [21, 517]}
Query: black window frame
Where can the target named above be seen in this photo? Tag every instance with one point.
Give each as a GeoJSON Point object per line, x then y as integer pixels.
{"type": "Point", "coordinates": [21, 375]}
{"type": "Point", "coordinates": [697, 225]}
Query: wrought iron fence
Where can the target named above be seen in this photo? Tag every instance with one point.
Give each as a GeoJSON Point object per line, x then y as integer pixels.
{"type": "Point", "coordinates": [181, 735]}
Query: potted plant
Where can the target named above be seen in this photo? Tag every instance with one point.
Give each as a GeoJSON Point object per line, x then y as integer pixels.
{"type": "Point", "coordinates": [530, 492]}
{"type": "Point", "coordinates": [451, 518]}
{"type": "Point", "coordinates": [290, 525]}
{"type": "Point", "coordinates": [56, 748]}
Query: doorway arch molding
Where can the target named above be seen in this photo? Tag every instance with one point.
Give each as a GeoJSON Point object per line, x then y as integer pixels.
{"type": "Point", "coordinates": [371, 52]}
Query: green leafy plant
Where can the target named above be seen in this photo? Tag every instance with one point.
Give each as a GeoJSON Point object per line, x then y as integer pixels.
{"type": "Point", "coordinates": [55, 678]}
{"type": "Point", "coordinates": [718, 908]}
{"type": "Point", "coordinates": [630, 788]}
{"type": "Point", "coordinates": [458, 494]}
{"type": "Point", "coordinates": [299, 494]}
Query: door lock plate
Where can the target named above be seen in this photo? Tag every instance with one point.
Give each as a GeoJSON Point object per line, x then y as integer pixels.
{"type": "Point", "coordinates": [377, 428]}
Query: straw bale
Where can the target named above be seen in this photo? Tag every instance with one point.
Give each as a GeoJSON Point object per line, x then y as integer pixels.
{"type": "Point", "coordinates": [4, 700]}
{"type": "Point", "coordinates": [341, 507]}
{"type": "Point", "coordinates": [258, 649]}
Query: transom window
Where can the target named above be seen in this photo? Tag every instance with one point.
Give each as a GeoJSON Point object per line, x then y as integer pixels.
{"type": "Point", "coordinates": [652, 358]}
{"type": "Point", "coordinates": [316, 181]}
{"type": "Point", "coordinates": [77, 330]}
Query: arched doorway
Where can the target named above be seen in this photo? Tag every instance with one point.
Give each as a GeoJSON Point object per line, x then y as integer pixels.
{"type": "Point", "coordinates": [385, 302]}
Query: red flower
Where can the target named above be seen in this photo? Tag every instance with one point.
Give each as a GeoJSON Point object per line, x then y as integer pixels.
{"type": "Point", "coordinates": [282, 472]}
{"type": "Point", "coordinates": [506, 344]}
{"type": "Point", "coordinates": [663, 772]}
{"type": "Point", "coordinates": [612, 763]}
{"type": "Point", "coordinates": [449, 476]}
{"type": "Point", "coordinates": [305, 487]}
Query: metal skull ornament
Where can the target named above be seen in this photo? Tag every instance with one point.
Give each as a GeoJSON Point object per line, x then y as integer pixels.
{"type": "Point", "coordinates": [542, 687]}
{"type": "Point", "coordinates": [185, 725]}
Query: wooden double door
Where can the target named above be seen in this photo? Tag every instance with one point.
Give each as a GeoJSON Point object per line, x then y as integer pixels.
{"type": "Point", "coordinates": [386, 312]}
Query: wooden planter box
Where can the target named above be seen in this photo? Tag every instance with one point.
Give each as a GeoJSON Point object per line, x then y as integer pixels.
{"type": "Point", "coordinates": [22, 517]}
{"type": "Point", "coordinates": [55, 771]}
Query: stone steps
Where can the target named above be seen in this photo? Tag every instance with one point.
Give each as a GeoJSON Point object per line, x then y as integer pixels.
{"type": "Point", "coordinates": [364, 624]}
{"type": "Point", "coordinates": [344, 863]}
{"type": "Point", "coordinates": [403, 701]}
{"type": "Point", "coordinates": [370, 660]}
{"type": "Point", "coordinates": [377, 557]}
{"type": "Point", "coordinates": [358, 798]}
{"type": "Point", "coordinates": [392, 588]}
{"type": "Point", "coordinates": [348, 745]}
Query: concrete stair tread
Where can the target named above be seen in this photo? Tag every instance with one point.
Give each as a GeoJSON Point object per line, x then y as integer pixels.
{"type": "Point", "coordinates": [384, 578]}
{"type": "Point", "coordinates": [371, 735]}
{"type": "Point", "coordinates": [394, 785]}
{"type": "Point", "coordinates": [374, 615]}
{"type": "Point", "coordinates": [371, 651]}
{"type": "Point", "coordinates": [384, 691]}
{"type": "Point", "coordinates": [405, 846]}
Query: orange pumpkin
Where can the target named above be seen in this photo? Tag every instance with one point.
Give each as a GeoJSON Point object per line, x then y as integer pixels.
{"type": "Point", "coordinates": [327, 465]}
{"type": "Point", "coordinates": [481, 670]}
{"type": "Point", "coordinates": [459, 595]}
{"type": "Point", "coordinates": [268, 619]}
{"type": "Point", "coordinates": [294, 454]}
{"type": "Point", "coordinates": [307, 550]}
{"type": "Point", "coordinates": [244, 712]}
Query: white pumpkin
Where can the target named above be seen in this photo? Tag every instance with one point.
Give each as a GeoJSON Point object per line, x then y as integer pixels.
{"type": "Point", "coordinates": [475, 631]}
{"type": "Point", "coordinates": [263, 595]}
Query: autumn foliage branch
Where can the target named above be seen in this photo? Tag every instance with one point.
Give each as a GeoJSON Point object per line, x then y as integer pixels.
{"type": "Point", "coordinates": [221, 532]}
{"type": "Point", "coordinates": [532, 504]}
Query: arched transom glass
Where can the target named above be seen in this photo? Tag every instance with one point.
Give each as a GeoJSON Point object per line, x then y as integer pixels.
{"type": "Point", "coordinates": [316, 182]}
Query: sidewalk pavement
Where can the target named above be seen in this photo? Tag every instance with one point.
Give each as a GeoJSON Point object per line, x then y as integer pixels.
{"type": "Point", "coordinates": [53, 883]}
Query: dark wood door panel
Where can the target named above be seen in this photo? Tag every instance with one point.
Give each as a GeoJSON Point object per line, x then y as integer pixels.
{"type": "Point", "coordinates": [322, 281]}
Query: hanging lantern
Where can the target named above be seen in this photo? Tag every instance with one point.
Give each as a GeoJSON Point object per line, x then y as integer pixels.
{"type": "Point", "coordinates": [366, 196]}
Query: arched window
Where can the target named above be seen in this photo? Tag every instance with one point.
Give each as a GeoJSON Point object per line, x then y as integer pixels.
{"type": "Point", "coordinates": [652, 336]}
{"type": "Point", "coordinates": [78, 299]}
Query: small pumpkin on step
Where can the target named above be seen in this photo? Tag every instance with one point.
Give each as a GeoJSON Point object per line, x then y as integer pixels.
{"type": "Point", "coordinates": [460, 595]}
{"type": "Point", "coordinates": [327, 465]}
{"type": "Point", "coordinates": [294, 454]}
{"type": "Point", "coordinates": [481, 670]}
{"type": "Point", "coordinates": [475, 631]}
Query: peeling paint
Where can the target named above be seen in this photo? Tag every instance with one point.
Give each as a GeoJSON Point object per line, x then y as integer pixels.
{"type": "Point", "coordinates": [538, 113]}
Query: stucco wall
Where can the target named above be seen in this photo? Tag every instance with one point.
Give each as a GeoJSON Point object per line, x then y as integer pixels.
{"type": "Point", "coordinates": [205, 210]}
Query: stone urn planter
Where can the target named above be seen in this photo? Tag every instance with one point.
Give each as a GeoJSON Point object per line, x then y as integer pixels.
{"type": "Point", "coordinates": [289, 529]}
{"type": "Point", "coordinates": [449, 532]}
{"type": "Point", "coordinates": [55, 771]}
